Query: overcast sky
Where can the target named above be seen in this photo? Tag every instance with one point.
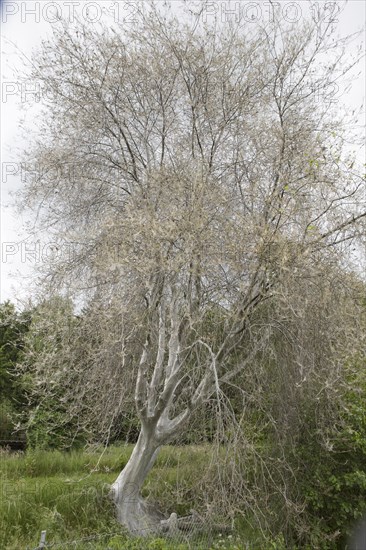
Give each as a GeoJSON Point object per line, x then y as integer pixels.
{"type": "Point", "coordinates": [25, 23]}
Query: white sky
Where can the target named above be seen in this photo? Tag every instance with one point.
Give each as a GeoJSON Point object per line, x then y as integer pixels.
{"type": "Point", "coordinates": [24, 24]}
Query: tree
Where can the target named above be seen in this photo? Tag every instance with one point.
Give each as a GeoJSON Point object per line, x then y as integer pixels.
{"type": "Point", "coordinates": [191, 171]}
{"type": "Point", "coordinates": [43, 370]}
{"type": "Point", "coordinates": [61, 351]}
{"type": "Point", "coordinates": [13, 328]}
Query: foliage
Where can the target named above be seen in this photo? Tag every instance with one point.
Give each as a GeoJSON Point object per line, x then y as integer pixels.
{"type": "Point", "coordinates": [13, 328]}
{"type": "Point", "coordinates": [334, 481]}
{"type": "Point", "coordinates": [295, 433]}
{"type": "Point", "coordinates": [47, 420]}
{"type": "Point", "coordinates": [7, 415]}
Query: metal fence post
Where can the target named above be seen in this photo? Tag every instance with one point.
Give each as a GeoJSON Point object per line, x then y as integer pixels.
{"type": "Point", "coordinates": [42, 542]}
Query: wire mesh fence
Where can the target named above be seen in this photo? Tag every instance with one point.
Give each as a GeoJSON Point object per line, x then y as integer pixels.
{"type": "Point", "coordinates": [189, 532]}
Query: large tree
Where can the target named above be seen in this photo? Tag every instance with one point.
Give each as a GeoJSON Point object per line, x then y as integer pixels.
{"type": "Point", "coordinates": [186, 171]}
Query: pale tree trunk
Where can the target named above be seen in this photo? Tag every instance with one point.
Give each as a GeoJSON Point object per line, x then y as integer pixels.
{"type": "Point", "coordinates": [156, 428]}
{"type": "Point", "coordinates": [160, 424]}
{"type": "Point", "coordinates": [132, 510]}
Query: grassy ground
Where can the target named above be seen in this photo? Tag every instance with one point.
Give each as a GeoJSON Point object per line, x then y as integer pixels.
{"type": "Point", "coordinates": [66, 495]}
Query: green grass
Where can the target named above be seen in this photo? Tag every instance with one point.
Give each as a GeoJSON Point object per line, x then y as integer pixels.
{"type": "Point", "coordinates": [66, 494]}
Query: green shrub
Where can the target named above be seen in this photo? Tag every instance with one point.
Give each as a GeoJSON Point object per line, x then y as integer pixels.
{"type": "Point", "coordinates": [48, 429]}
{"type": "Point", "coordinates": [334, 483]}
{"type": "Point", "coordinates": [6, 420]}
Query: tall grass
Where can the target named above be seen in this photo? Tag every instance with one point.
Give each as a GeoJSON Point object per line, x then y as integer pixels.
{"type": "Point", "coordinates": [63, 494]}
{"type": "Point", "coordinates": [66, 494]}
{"type": "Point", "coordinates": [50, 463]}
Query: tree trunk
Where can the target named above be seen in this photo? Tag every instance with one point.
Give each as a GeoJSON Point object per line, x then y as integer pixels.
{"type": "Point", "coordinates": [132, 510]}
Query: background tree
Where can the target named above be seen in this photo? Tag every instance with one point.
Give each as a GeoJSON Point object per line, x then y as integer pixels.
{"type": "Point", "coordinates": [205, 177]}
{"type": "Point", "coordinates": [13, 327]}
{"type": "Point", "coordinates": [61, 351]}
{"type": "Point", "coordinates": [46, 373]}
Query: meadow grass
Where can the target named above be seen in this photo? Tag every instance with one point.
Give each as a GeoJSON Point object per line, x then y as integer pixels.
{"type": "Point", "coordinates": [66, 494]}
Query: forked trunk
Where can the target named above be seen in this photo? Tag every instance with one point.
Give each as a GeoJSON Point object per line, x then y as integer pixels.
{"type": "Point", "coordinates": [132, 510]}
